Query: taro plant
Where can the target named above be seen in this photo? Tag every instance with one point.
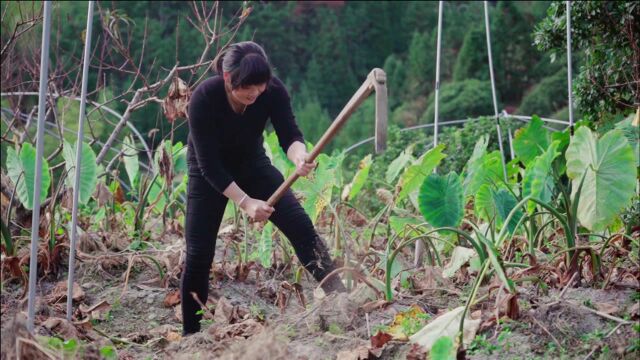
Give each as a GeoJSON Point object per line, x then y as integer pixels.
{"type": "Point", "coordinates": [21, 170]}
{"type": "Point", "coordinates": [600, 184]}
{"type": "Point", "coordinates": [607, 165]}
{"type": "Point", "coordinates": [88, 172]}
{"type": "Point", "coordinates": [159, 191]}
{"type": "Point", "coordinates": [170, 179]}
{"type": "Point", "coordinates": [21, 166]}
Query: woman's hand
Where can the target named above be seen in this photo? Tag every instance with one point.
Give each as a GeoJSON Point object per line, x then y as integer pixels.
{"type": "Point", "coordinates": [257, 209]}
{"type": "Point", "coordinates": [297, 153]}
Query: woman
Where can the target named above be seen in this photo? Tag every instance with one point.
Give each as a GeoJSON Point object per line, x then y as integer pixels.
{"type": "Point", "coordinates": [227, 160]}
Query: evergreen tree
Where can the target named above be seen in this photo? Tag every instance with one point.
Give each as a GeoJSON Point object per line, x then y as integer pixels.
{"type": "Point", "coordinates": [329, 75]}
{"type": "Point", "coordinates": [396, 72]}
{"type": "Point", "coordinates": [421, 69]}
{"type": "Point", "coordinates": [472, 62]}
{"type": "Point", "coordinates": [513, 53]}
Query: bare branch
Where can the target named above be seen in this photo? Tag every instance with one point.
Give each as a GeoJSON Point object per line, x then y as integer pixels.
{"type": "Point", "coordinates": [19, 29]}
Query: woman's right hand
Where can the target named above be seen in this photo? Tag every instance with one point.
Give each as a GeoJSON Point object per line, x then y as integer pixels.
{"type": "Point", "coordinates": [257, 209]}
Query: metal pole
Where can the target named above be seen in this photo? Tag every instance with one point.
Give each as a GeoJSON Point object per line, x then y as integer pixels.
{"type": "Point", "coordinates": [78, 164]}
{"type": "Point", "coordinates": [493, 88]}
{"type": "Point", "coordinates": [513, 154]}
{"type": "Point", "coordinates": [35, 218]}
{"type": "Point", "coordinates": [417, 258]}
{"type": "Point", "coordinates": [569, 72]}
{"type": "Point", "coordinates": [435, 127]}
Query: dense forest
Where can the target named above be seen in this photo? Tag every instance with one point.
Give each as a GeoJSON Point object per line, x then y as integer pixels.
{"type": "Point", "coordinates": [324, 50]}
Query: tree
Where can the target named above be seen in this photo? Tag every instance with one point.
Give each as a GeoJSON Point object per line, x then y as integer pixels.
{"type": "Point", "coordinates": [329, 75]}
{"type": "Point", "coordinates": [472, 62]}
{"type": "Point", "coordinates": [606, 32]}
{"type": "Point", "coordinates": [367, 28]}
{"type": "Point", "coordinates": [280, 33]}
{"type": "Point", "coordinates": [396, 72]}
{"type": "Point", "coordinates": [421, 65]}
{"type": "Point", "coordinates": [513, 53]}
{"type": "Point", "coordinates": [312, 118]}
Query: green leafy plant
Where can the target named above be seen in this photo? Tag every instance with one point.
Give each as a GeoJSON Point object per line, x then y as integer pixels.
{"type": "Point", "coordinates": [538, 179]}
{"type": "Point", "coordinates": [131, 162]}
{"type": "Point", "coordinates": [607, 166]}
{"type": "Point", "coordinates": [109, 352]}
{"type": "Point", "coordinates": [359, 179]}
{"type": "Point", "coordinates": [480, 345]}
{"type": "Point", "coordinates": [441, 200]}
{"type": "Point", "coordinates": [88, 171]}
{"type": "Point", "coordinates": [21, 170]}
{"type": "Point", "coordinates": [399, 163]}
{"type": "Point", "coordinates": [411, 325]}
{"type": "Point", "coordinates": [415, 173]}
{"type": "Point", "coordinates": [443, 349]}
{"type": "Point", "coordinates": [531, 141]}
{"type": "Point", "coordinates": [7, 239]}
{"type": "Point", "coordinates": [317, 191]}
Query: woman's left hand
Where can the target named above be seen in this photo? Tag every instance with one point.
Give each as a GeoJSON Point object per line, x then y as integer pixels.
{"type": "Point", "coordinates": [304, 168]}
{"type": "Point", "coordinates": [297, 153]}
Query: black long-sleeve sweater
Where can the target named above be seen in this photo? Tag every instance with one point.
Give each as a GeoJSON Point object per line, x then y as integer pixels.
{"type": "Point", "coordinates": [218, 136]}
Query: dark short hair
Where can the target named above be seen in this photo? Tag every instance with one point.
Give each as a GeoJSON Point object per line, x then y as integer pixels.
{"type": "Point", "coordinates": [246, 62]}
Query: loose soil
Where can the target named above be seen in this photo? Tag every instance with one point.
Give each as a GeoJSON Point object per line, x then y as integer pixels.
{"type": "Point", "coordinates": [264, 320]}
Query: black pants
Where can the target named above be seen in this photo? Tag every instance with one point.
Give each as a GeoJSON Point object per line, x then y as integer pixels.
{"type": "Point", "coordinates": [205, 208]}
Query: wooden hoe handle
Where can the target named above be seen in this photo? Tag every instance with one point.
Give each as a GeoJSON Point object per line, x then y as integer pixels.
{"type": "Point", "coordinates": [376, 80]}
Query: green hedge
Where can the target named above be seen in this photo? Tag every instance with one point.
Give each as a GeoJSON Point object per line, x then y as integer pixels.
{"type": "Point", "coordinates": [547, 97]}
{"type": "Point", "coordinates": [461, 100]}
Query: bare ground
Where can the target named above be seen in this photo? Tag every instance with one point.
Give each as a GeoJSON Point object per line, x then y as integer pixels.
{"type": "Point", "coordinates": [265, 320]}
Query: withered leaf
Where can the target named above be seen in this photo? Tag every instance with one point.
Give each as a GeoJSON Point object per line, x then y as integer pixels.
{"type": "Point", "coordinates": [172, 299]}
{"type": "Point", "coordinates": [175, 104]}
{"type": "Point", "coordinates": [380, 339]}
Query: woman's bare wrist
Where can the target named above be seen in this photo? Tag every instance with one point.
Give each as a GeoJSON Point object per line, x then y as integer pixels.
{"type": "Point", "coordinates": [242, 200]}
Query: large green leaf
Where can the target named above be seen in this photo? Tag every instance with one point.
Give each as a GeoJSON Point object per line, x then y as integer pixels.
{"type": "Point", "coordinates": [505, 202]}
{"type": "Point", "coordinates": [21, 169]}
{"type": "Point", "coordinates": [360, 177]}
{"type": "Point", "coordinates": [484, 206]}
{"type": "Point", "coordinates": [399, 225]}
{"type": "Point", "coordinates": [563, 137]}
{"type": "Point", "coordinates": [88, 171]}
{"type": "Point", "coordinates": [157, 197]}
{"type": "Point", "coordinates": [538, 180]}
{"type": "Point", "coordinates": [489, 171]}
{"type": "Point", "coordinates": [493, 205]}
{"type": "Point", "coordinates": [415, 174]}
{"type": "Point", "coordinates": [441, 200]}
{"type": "Point", "coordinates": [131, 163]}
{"type": "Point", "coordinates": [475, 161]}
{"type": "Point", "coordinates": [179, 158]}
{"type": "Point", "coordinates": [610, 179]}
{"type": "Point", "coordinates": [399, 163]}
{"type": "Point", "coordinates": [531, 140]}
{"type": "Point", "coordinates": [317, 190]}
{"type": "Point", "coordinates": [277, 155]}
{"type": "Point", "coordinates": [479, 150]}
